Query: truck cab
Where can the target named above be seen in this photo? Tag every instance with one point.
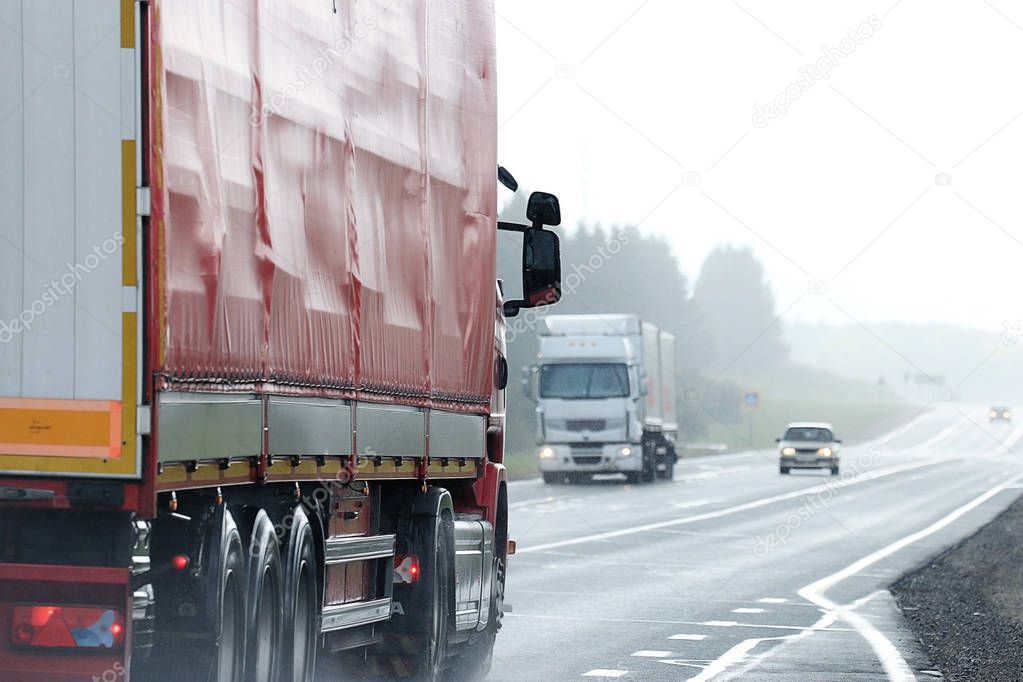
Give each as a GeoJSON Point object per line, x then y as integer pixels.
{"type": "Point", "coordinates": [599, 400]}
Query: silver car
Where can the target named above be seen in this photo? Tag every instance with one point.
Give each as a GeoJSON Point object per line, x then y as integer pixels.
{"type": "Point", "coordinates": [808, 445]}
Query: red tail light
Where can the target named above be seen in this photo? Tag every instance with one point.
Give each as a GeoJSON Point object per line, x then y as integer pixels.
{"type": "Point", "coordinates": [67, 627]}
{"type": "Point", "coordinates": [406, 569]}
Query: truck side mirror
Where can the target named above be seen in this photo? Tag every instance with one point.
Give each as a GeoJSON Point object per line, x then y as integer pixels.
{"type": "Point", "coordinates": [543, 209]}
{"type": "Point", "coordinates": [541, 254]}
{"type": "Point", "coordinates": [541, 268]}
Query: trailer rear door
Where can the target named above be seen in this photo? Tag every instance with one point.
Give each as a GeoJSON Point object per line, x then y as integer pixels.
{"type": "Point", "coordinates": [69, 290]}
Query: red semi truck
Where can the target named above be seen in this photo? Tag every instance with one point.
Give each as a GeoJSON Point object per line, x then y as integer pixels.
{"type": "Point", "coordinates": [252, 374]}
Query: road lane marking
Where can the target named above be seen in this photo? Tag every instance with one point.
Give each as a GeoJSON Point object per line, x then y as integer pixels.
{"type": "Point", "coordinates": [689, 638]}
{"type": "Point", "coordinates": [894, 664]}
{"type": "Point", "coordinates": [605, 673]}
{"type": "Point", "coordinates": [823, 624]}
{"type": "Point", "coordinates": [647, 621]}
{"type": "Point", "coordinates": [647, 653]}
{"type": "Point", "coordinates": [736, 654]}
{"type": "Point", "coordinates": [830, 485]}
{"type": "Point", "coordinates": [745, 609]}
{"type": "Point", "coordinates": [772, 600]}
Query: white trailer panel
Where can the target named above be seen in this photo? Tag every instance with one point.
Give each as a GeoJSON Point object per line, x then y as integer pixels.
{"type": "Point", "coordinates": [68, 282]}
{"type": "Point", "coordinates": [653, 419]}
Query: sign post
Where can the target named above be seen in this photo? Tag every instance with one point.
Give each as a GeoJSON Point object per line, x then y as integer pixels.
{"type": "Point", "coordinates": [752, 399]}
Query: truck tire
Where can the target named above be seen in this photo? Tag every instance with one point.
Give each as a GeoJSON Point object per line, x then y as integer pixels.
{"type": "Point", "coordinates": [301, 602]}
{"type": "Point", "coordinates": [834, 471]}
{"type": "Point", "coordinates": [552, 479]}
{"type": "Point", "coordinates": [783, 470]}
{"type": "Point", "coordinates": [214, 603]}
{"type": "Point", "coordinates": [632, 477]}
{"type": "Point", "coordinates": [649, 473]}
{"type": "Point", "coordinates": [434, 600]}
{"type": "Point", "coordinates": [263, 593]}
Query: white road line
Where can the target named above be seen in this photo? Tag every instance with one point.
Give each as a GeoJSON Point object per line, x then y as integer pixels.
{"type": "Point", "coordinates": [744, 609]}
{"type": "Point", "coordinates": [606, 673]}
{"type": "Point", "coordinates": [862, 478]}
{"type": "Point", "coordinates": [772, 600]}
{"type": "Point", "coordinates": [689, 638]}
{"type": "Point", "coordinates": [734, 655]}
{"type": "Point", "coordinates": [894, 664]}
{"type": "Point", "coordinates": [532, 501]}
{"type": "Point", "coordinates": [822, 624]}
{"type": "Point", "coordinates": [647, 653]}
{"type": "Point", "coordinates": [647, 621]}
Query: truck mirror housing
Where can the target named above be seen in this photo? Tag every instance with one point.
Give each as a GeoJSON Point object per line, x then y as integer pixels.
{"type": "Point", "coordinates": [541, 254]}
{"type": "Point", "coordinates": [543, 209]}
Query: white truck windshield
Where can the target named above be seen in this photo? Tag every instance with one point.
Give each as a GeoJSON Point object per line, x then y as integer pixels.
{"type": "Point", "coordinates": [584, 380]}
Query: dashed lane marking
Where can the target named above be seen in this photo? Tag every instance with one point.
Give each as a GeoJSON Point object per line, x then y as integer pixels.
{"type": "Point", "coordinates": [689, 638]}
{"type": "Point", "coordinates": [647, 653]}
{"type": "Point", "coordinates": [743, 609]}
{"type": "Point", "coordinates": [606, 673]}
{"type": "Point", "coordinates": [772, 600]}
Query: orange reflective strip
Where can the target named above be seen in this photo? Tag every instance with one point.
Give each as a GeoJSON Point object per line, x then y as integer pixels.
{"type": "Point", "coordinates": [60, 428]}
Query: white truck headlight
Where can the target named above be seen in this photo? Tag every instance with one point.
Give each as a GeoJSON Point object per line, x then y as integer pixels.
{"type": "Point", "coordinates": [788, 452]}
{"type": "Point", "coordinates": [546, 452]}
{"type": "Point", "coordinates": [625, 451]}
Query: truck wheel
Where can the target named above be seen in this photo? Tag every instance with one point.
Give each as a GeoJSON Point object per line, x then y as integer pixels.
{"type": "Point", "coordinates": [552, 479]}
{"type": "Point", "coordinates": [213, 604]}
{"type": "Point", "coordinates": [649, 470]}
{"type": "Point", "coordinates": [435, 595]}
{"type": "Point", "coordinates": [783, 470]}
{"type": "Point", "coordinates": [264, 590]}
{"type": "Point", "coordinates": [301, 602]}
{"type": "Point", "coordinates": [834, 471]}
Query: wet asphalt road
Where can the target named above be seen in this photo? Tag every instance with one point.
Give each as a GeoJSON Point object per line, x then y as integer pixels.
{"type": "Point", "coordinates": [733, 571]}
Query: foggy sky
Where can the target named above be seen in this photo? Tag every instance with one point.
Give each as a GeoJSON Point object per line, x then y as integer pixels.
{"type": "Point", "coordinates": [887, 189]}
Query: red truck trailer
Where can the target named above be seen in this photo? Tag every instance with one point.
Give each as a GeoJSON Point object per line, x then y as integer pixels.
{"type": "Point", "coordinates": [252, 368]}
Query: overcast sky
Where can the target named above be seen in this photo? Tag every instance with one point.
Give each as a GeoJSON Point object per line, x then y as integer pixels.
{"type": "Point", "coordinates": [867, 150]}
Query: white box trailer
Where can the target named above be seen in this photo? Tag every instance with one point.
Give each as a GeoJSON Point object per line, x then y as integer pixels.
{"type": "Point", "coordinates": [605, 398]}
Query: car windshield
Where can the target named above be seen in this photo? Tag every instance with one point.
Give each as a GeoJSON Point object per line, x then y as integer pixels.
{"type": "Point", "coordinates": [584, 380]}
{"type": "Point", "coordinates": [808, 433]}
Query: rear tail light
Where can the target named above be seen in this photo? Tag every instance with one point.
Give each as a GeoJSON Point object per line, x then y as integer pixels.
{"type": "Point", "coordinates": [67, 627]}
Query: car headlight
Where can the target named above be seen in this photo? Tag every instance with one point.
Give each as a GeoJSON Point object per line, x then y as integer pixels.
{"type": "Point", "coordinates": [546, 452]}
{"type": "Point", "coordinates": [992, 414]}
{"type": "Point", "coordinates": [825, 452]}
{"type": "Point", "coordinates": [1006, 414]}
{"type": "Point", "coordinates": [625, 451]}
{"type": "Point", "coordinates": [788, 451]}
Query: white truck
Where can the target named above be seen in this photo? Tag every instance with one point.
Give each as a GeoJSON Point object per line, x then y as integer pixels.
{"type": "Point", "coordinates": [605, 392]}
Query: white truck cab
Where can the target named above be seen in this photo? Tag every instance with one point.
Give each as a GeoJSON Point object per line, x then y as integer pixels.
{"type": "Point", "coordinates": [605, 392]}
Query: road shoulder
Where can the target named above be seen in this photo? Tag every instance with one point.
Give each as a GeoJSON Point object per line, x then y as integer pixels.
{"type": "Point", "coordinates": [966, 604]}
